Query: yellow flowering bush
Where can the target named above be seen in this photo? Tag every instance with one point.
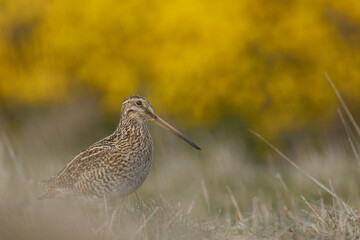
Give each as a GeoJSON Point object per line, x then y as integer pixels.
{"type": "Point", "coordinates": [263, 60]}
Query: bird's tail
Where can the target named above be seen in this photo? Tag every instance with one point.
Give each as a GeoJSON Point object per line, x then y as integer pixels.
{"type": "Point", "coordinates": [49, 192]}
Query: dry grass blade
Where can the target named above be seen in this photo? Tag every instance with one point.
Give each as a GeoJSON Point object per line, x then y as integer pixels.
{"type": "Point", "coordinates": [347, 130]}
{"type": "Point", "coordinates": [238, 212]}
{"type": "Point", "coordinates": [312, 209]}
{"type": "Point", "coordinates": [13, 157]}
{"type": "Point", "coordinates": [296, 166]}
{"type": "Point", "coordinates": [278, 176]}
{"type": "Point", "coordinates": [206, 194]}
{"type": "Point", "coordinates": [145, 222]}
{"type": "Point", "coordinates": [106, 208]}
{"type": "Point", "coordinates": [343, 104]}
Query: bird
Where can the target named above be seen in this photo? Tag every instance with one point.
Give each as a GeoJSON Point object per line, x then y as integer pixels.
{"type": "Point", "coordinates": [116, 165]}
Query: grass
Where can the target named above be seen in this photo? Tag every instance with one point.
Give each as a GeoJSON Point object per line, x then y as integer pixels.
{"type": "Point", "coordinates": [222, 192]}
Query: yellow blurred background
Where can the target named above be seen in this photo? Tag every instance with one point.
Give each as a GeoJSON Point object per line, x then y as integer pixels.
{"type": "Point", "coordinates": [212, 69]}
{"type": "Point", "coordinates": [262, 61]}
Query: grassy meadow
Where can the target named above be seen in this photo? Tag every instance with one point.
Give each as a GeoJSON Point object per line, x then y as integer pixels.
{"type": "Point", "coordinates": [223, 192]}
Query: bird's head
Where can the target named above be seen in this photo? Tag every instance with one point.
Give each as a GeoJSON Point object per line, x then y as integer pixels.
{"type": "Point", "coordinates": [139, 109]}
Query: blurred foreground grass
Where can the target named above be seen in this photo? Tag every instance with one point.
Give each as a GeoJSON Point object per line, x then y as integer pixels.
{"type": "Point", "coordinates": [222, 192]}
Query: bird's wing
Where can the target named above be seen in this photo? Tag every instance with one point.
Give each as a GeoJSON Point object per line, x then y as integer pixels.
{"type": "Point", "coordinates": [87, 159]}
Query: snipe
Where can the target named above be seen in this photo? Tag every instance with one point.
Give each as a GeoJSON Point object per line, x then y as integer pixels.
{"type": "Point", "coordinates": [116, 165]}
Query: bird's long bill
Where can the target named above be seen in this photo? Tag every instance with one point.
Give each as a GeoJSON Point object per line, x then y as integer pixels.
{"type": "Point", "coordinates": [167, 126]}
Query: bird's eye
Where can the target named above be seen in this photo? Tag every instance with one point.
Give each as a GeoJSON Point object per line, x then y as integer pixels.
{"type": "Point", "coordinates": [139, 103]}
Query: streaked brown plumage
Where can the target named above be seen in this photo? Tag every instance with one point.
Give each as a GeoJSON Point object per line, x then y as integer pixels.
{"type": "Point", "coordinates": [116, 165]}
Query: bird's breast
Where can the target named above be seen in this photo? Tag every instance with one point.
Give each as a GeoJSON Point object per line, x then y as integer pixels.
{"type": "Point", "coordinates": [136, 160]}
